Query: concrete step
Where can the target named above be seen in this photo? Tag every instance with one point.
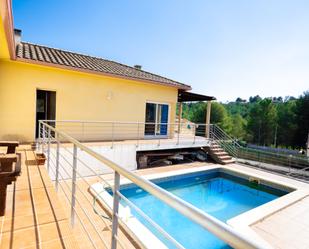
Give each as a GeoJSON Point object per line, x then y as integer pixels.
{"type": "Point", "coordinates": [228, 161]}
{"type": "Point", "coordinates": [220, 153]}
{"type": "Point", "coordinates": [225, 157]}
{"type": "Point", "coordinates": [216, 150]}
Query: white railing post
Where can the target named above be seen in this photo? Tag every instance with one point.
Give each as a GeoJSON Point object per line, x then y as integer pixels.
{"type": "Point", "coordinates": [73, 185]}
{"type": "Point", "coordinates": [115, 210]}
{"type": "Point", "coordinates": [48, 151]}
{"type": "Point", "coordinates": [57, 161]}
{"type": "Point", "coordinates": [43, 138]}
{"type": "Point", "coordinates": [39, 137]}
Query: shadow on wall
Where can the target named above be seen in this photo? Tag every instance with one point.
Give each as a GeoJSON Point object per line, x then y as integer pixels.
{"type": "Point", "coordinates": [15, 137]}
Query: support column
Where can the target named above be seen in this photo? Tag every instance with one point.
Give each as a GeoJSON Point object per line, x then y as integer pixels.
{"type": "Point", "coordinates": [179, 115]}
{"type": "Point", "coordinates": [208, 118]}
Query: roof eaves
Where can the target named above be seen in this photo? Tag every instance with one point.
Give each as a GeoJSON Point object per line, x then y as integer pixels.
{"type": "Point", "coordinates": [8, 26]}
{"type": "Point", "coordinates": [85, 59]}
{"type": "Point", "coordinates": [82, 70]}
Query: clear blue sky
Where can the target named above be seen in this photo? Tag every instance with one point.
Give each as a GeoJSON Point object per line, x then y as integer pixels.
{"type": "Point", "coordinates": [225, 48]}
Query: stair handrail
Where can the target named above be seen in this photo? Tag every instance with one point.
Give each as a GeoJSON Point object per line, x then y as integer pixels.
{"type": "Point", "coordinates": [221, 141]}
{"type": "Point", "coordinates": [218, 135]}
{"type": "Point", "coordinates": [227, 135]}
{"type": "Point", "coordinates": [229, 148]}
{"type": "Point", "coordinates": [221, 136]}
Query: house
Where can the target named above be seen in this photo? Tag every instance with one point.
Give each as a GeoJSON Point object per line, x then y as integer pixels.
{"type": "Point", "coordinates": [100, 198]}
{"type": "Point", "coordinates": [43, 83]}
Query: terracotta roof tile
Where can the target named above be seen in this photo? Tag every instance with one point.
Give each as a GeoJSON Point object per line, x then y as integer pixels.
{"type": "Point", "coordinates": [55, 56]}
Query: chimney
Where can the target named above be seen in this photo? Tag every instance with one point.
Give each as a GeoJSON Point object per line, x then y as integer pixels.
{"type": "Point", "coordinates": [139, 67]}
{"type": "Point", "coordinates": [17, 36]}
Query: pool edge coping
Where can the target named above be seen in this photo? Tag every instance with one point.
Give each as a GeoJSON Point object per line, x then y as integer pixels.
{"type": "Point", "coordinates": [243, 222]}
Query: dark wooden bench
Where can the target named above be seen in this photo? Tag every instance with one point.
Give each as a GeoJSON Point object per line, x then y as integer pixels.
{"type": "Point", "coordinates": [11, 146]}
{"type": "Point", "coordinates": [10, 169]}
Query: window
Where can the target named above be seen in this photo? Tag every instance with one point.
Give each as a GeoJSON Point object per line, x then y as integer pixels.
{"type": "Point", "coordinates": [156, 119]}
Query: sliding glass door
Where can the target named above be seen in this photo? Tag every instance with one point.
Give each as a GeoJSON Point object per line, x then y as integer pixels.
{"type": "Point", "coordinates": [156, 119]}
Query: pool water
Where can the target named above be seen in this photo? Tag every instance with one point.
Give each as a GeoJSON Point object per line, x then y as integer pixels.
{"type": "Point", "coordinates": [219, 194]}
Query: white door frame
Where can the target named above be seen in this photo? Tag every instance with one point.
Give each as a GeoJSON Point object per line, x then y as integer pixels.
{"type": "Point", "coordinates": [168, 118]}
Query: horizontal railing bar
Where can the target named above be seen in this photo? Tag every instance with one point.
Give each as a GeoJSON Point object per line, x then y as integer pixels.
{"type": "Point", "coordinates": [277, 157]}
{"type": "Point", "coordinates": [148, 219]}
{"type": "Point", "coordinates": [155, 225]}
{"type": "Point", "coordinates": [85, 196]}
{"type": "Point", "coordinates": [225, 134]}
{"type": "Point", "coordinates": [68, 199]}
{"type": "Point", "coordinates": [121, 122]}
{"type": "Point", "coordinates": [81, 206]}
{"type": "Point", "coordinates": [215, 226]}
{"type": "Point", "coordinates": [95, 173]}
{"type": "Point", "coordinates": [286, 156]}
{"type": "Point", "coordinates": [232, 147]}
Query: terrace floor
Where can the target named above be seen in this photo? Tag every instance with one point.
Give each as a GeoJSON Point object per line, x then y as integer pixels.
{"type": "Point", "coordinates": [34, 216]}
{"type": "Point", "coordinates": [39, 217]}
{"type": "Point", "coordinates": [288, 228]}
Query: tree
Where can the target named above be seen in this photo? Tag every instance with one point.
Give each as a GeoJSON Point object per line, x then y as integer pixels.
{"type": "Point", "coordinates": [287, 126]}
{"type": "Point", "coordinates": [302, 120]}
{"type": "Point", "coordinates": [262, 122]}
{"type": "Point", "coordinates": [284, 120]}
{"type": "Point", "coordinates": [278, 99]}
{"type": "Point", "coordinates": [240, 100]}
{"type": "Point", "coordinates": [255, 99]}
{"type": "Point", "coordinates": [218, 115]}
{"type": "Point", "coordinates": [238, 127]}
{"type": "Point", "coordinates": [234, 108]}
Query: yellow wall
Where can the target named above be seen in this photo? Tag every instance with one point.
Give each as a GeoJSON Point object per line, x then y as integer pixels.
{"type": "Point", "coordinates": [79, 96]}
{"type": "Point", "coordinates": [4, 49]}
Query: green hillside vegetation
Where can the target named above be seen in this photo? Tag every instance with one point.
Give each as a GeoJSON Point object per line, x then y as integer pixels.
{"type": "Point", "coordinates": [275, 121]}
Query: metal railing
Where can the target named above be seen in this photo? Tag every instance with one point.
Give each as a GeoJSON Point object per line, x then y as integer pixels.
{"type": "Point", "coordinates": [275, 158]}
{"type": "Point", "coordinates": [226, 142]}
{"type": "Point", "coordinates": [292, 165]}
{"type": "Point", "coordinates": [137, 132]}
{"type": "Point", "coordinates": [65, 163]}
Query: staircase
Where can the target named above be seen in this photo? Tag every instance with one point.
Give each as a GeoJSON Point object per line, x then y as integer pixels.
{"type": "Point", "coordinates": [223, 148]}
{"type": "Point", "coordinates": [218, 154]}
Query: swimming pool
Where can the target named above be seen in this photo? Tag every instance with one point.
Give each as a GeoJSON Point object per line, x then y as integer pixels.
{"type": "Point", "coordinates": [216, 192]}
